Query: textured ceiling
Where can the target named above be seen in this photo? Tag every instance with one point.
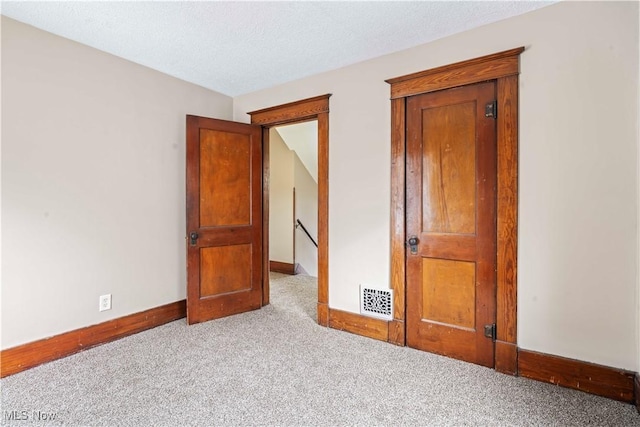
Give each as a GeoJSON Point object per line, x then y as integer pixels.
{"type": "Point", "coordinates": [240, 47]}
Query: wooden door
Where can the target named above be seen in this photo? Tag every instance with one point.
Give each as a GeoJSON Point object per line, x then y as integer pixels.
{"type": "Point", "coordinates": [451, 211]}
{"type": "Point", "coordinates": [224, 218]}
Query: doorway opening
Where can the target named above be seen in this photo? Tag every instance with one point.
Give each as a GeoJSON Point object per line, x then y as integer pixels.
{"type": "Point", "coordinates": [312, 109]}
{"type": "Point", "coordinates": [293, 199]}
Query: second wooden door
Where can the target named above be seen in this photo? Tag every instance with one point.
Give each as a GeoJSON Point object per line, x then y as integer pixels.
{"type": "Point", "coordinates": [451, 222]}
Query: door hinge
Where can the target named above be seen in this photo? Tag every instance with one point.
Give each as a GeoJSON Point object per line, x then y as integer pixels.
{"type": "Point", "coordinates": [490, 331]}
{"type": "Point", "coordinates": [491, 109]}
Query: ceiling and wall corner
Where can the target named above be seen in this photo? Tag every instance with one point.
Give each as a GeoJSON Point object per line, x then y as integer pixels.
{"type": "Point", "coordinates": [303, 139]}
{"type": "Point", "coordinates": [240, 47]}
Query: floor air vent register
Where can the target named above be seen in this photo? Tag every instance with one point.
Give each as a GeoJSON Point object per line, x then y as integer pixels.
{"type": "Point", "coordinates": [376, 302]}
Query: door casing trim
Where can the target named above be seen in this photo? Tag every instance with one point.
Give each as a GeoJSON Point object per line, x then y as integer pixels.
{"type": "Point", "coordinates": [503, 67]}
{"type": "Point", "coordinates": [316, 108]}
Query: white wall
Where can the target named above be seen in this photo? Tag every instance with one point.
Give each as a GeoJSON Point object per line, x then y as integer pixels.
{"type": "Point", "coordinates": [578, 254]}
{"type": "Point", "coordinates": [1, 22]}
{"type": "Point", "coordinates": [280, 199]}
{"type": "Point", "coordinates": [307, 212]}
{"type": "Point", "coordinates": [286, 173]}
{"type": "Point", "coordinates": [638, 219]}
{"type": "Point", "coordinates": [93, 188]}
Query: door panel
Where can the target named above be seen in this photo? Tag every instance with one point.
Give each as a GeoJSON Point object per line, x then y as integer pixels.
{"type": "Point", "coordinates": [449, 292]}
{"type": "Point", "coordinates": [225, 178]}
{"type": "Point", "coordinates": [451, 209]}
{"type": "Point", "coordinates": [449, 169]}
{"type": "Point", "coordinates": [224, 209]}
{"type": "Point", "coordinates": [233, 261]}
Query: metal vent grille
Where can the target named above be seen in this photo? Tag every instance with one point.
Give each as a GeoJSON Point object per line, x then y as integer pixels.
{"type": "Point", "coordinates": [376, 302]}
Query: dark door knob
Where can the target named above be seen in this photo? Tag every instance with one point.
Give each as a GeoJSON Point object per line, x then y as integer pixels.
{"type": "Point", "coordinates": [193, 237]}
{"type": "Point", "coordinates": [413, 244]}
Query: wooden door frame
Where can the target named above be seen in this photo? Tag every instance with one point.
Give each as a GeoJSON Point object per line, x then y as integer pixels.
{"type": "Point", "coordinates": [503, 67]}
{"type": "Point", "coordinates": [316, 108]}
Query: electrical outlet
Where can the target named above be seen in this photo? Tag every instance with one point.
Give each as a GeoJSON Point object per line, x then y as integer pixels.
{"type": "Point", "coordinates": [105, 302]}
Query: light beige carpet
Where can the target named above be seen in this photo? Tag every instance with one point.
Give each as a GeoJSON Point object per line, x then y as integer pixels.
{"type": "Point", "coordinates": [276, 366]}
